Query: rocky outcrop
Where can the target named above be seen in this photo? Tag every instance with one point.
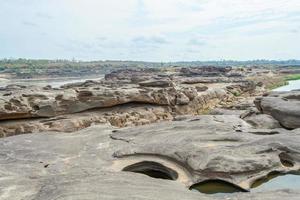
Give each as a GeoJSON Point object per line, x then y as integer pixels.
{"type": "Point", "coordinates": [156, 83]}
{"type": "Point", "coordinates": [102, 162]}
{"type": "Point", "coordinates": [121, 100]}
{"type": "Point", "coordinates": [262, 121]}
{"type": "Point", "coordinates": [238, 148]}
{"type": "Point", "coordinates": [259, 120]}
{"type": "Point", "coordinates": [134, 75]}
{"type": "Point", "coordinates": [283, 106]}
{"type": "Point", "coordinates": [195, 80]}
{"type": "Point", "coordinates": [131, 113]}
{"type": "Point", "coordinates": [37, 102]}
{"type": "Point", "coordinates": [120, 116]}
{"type": "Point", "coordinates": [205, 71]}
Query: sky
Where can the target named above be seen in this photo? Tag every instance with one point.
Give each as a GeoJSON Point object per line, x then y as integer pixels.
{"type": "Point", "coordinates": [150, 30]}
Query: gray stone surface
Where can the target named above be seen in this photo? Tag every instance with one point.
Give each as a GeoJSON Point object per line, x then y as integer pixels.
{"type": "Point", "coordinates": [262, 121]}
{"type": "Point", "coordinates": [283, 106]}
{"type": "Point", "coordinates": [88, 164]}
{"type": "Point", "coordinates": [79, 105]}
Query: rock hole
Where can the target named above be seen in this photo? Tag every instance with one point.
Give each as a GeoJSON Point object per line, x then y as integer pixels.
{"type": "Point", "coordinates": [286, 160]}
{"type": "Point", "coordinates": [194, 120]}
{"type": "Point", "coordinates": [36, 107]}
{"type": "Point", "coordinates": [152, 169]}
{"type": "Point", "coordinates": [47, 165]}
{"type": "Point", "coordinates": [216, 186]}
{"type": "Point", "coordinates": [7, 94]}
{"type": "Point", "coordinates": [264, 132]}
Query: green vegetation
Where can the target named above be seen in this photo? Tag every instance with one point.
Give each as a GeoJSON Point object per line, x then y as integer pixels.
{"type": "Point", "coordinates": [277, 85]}
{"type": "Point", "coordinates": [76, 63]}
{"type": "Point", "coordinates": [236, 93]}
{"type": "Point", "coordinates": [23, 68]}
{"type": "Point", "coordinates": [283, 81]}
{"type": "Point", "coordinates": [292, 77]}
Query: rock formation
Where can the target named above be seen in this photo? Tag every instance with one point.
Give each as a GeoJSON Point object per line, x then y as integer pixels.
{"type": "Point", "coordinates": [120, 99]}
{"type": "Point", "coordinates": [99, 162]}
{"type": "Point", "coordinates": [283, 106]}
{"type": "Point", "coordinates": [83, 141]}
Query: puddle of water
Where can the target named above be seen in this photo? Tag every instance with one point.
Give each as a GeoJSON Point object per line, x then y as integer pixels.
{"type": "Point", "coordinates": [215, 187]}
{"type": "Point", "coordinates": [277, 182]}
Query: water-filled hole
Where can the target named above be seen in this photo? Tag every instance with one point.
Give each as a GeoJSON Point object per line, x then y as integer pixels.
{"type": "Point", "coordinates": [216, 186]}
{"type": "Point", "coordinates": [152, 169]}
{"type": "Point", "coordinates": [286, 160]}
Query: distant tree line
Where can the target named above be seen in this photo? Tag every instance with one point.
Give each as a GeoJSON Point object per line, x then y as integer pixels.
{"type": "Point", "coordinates": [63, 62]}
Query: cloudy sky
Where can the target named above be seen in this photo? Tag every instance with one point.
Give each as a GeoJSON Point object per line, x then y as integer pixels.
{"type": "Point", "coordinates": [150, 30]}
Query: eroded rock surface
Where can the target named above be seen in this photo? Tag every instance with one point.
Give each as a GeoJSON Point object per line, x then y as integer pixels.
{"type": "Point", "coordinates": [124, 98]}
{"type": "Point", "coordinates": [283, 106]}
{"type": "Point", "coordinates": [88, 164]}
{"type": "Point", "coordinates": [262, 121]}
{"type": "Point", "coordinates": [238, 146]}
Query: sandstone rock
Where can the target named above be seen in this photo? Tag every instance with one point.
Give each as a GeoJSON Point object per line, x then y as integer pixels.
{"type": "Point", "coordinates": [132, 74]}
{"type": "Point", "coordinates": [242, 87]}
{"type": "Point", "coordinates": [262, 121]}
{"type": "Point", "coordinates": [201, 88]}
{"type": "Point", "coordinates": [195, 80]}
{"type": "Point", "coordinates": [156, 83]}
{"type": "Point", "coordinates": [121, 116]}
{"type": "Point", "coordinates": [104, 162]}
{"type": "Point", "coordinates": [223, 111]}
{"type": "Point", "coordinates": [155, 87]}
{"type": "Point", "coordinates": [205, 71]}
{"type": "Point", "coordinates": [49, 103]}
{"type": "Point", "coordinates": [283, 106]}
{"type": "Point", "coordinates": [88, 164]}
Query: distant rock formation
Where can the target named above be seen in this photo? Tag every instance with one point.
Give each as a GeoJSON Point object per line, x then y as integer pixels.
{"type": "Point", "coordinates": [121, 100]}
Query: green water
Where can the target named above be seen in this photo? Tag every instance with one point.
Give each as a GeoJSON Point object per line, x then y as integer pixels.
{"type": "Point", "coordinates": [273, 181]}
{"type": "Point", "coordinates": [215, 187]}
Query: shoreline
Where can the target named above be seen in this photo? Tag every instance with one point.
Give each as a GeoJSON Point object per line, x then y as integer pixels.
{"type": "Point", "coordinates": [291, 85]}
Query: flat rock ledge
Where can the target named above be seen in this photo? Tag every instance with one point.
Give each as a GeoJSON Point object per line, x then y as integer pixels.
{"type": "Point", "coordinates": [99, 162]}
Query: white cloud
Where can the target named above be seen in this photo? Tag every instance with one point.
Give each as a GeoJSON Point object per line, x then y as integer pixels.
{"type": "Point", "coordinates": [150, 29]}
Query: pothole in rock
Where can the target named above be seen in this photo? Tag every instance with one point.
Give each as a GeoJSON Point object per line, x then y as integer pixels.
{"type": "Point", "coordinates": [264, 132]}
{"type": "Point", "coordinates": [286, 160]}
{"type": "Point", "coordinates": [152, 169]}
{"type": "Point", "coordinates": [277, 181]}
{"type": "Point", "coordinates": [216, 187]}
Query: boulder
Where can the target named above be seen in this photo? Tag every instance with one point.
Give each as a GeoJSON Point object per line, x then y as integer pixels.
{"type": "Point", "coordinates": [262, 121]}
{"type": "Point", "coordinates": [282, 106]}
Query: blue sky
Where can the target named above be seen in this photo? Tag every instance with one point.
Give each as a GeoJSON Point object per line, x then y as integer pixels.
{"type": "Point", "coordinates": [150, 30]}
